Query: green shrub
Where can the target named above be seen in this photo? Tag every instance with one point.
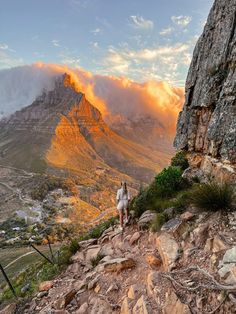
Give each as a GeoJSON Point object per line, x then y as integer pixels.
{"type": "Point", "coordinates": [182, 200]}
{"type": "Point", "coordinates": [180, 160]}
{"type": "Point", "coordinates": [74, 246]}
{"type": "Point", "coordinates": [140, 203]}
{"type": "Point", "coordinates": [157, 195]}
{"type": "Point", "coordinates": [213, 196]}
{"type": "Point", "coordinates": [159, 221]}
{"type": "Point", "coordinates": [64, 255]}
{"type": "Point", "coordinates": [169, 181]}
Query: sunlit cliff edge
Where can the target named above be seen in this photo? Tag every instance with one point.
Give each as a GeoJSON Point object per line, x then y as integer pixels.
{"type": "Point", "coordinates": [207, 125]}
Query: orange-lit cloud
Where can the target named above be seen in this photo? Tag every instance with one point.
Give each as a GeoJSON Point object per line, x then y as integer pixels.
{"type": "Point", "coordinates": [121, 97]}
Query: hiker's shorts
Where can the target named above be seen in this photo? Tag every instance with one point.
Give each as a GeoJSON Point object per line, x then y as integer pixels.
{"type": "Point", "coordinates": [122, 205]}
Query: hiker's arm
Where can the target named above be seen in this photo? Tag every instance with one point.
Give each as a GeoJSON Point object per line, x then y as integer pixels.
{"type": "Point", "coordinates": [117, 197]}
{"type": "Point", "coordinates": [129, 198]}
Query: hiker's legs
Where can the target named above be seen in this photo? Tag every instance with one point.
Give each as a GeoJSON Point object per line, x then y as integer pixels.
{"type": "Point", "coordinates": [121, 214]}
{"type": "Point", "coordinates": [127, 214]}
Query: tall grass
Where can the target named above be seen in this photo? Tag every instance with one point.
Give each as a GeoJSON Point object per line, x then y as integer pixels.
{"type": "Point", "coordinates": [213, 196]}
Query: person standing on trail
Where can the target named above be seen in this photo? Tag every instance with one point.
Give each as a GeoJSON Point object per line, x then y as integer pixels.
{"type": "Point", "coordinates": [123, 199]}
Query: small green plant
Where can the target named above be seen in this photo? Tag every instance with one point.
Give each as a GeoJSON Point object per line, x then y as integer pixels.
{"type": "Point", "coordinates": [140, 203]}
{"type": "Point", "coordinates": [95, 261]}
{"type": "Point", "coordinates": [213, 196]}
{"type": "Point", "coordinates": [159, 221]}
{"type": "Point", "coordinates": [182, 200]}
{"type": "Point", "coordinates": [180, 160]}
{"type": "Point", "coordinates": [74, 246]}
{"type": "Point", "coordinates": [169, 181]}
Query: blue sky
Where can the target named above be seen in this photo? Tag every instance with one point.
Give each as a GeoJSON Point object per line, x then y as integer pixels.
{"type": "Point", "coordinates": [138, 39]}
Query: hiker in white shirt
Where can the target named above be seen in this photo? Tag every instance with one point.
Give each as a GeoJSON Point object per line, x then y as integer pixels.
{"type": "Point", "coordinates": [123, 199]}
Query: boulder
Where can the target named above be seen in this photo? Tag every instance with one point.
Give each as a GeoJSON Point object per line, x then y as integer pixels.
{"type": "Point", "coordinates": [45, 285]}
{"type": "Point", "coordinates": [174, 306]}
{"type": "Point", "coordinates": [152, 282]}
{"type": "Point", "coordinates": [78, 257]}
{"type": "Point", "coordinates": [100, 306]}
{"type": "Point", "coordinates": [107, 249]}
{"type": "Point", "coordinates": [193, 174]}
{"type": "Point", "coordinates": [134, 238]}
{"type": "Point", "coordinates": [133, 292]}
{"type": "Point", "coordinates": [65, 300]}
{"type": "Point", "coordinates": [168, 249]}
{"type": "Point", "coordinates": [118, 264]}
{"type": "Point", "coordinates": [97, 288]}
{"type": "Point", "coordinates": [228, 266]}
{"type": "Point", "coordinates": [112, 287]}
{"type": "Point", "coordinates": [79, 284]}
{"type": "Point", "coordinates": [215, 244]}
{"type": "Point", "coordinates": [93, 282]}
{"type": "Point", "coordinates": [146, 219]}
{"type": "Point", "coordinates": [186, 216]}
{"type": "Point", "coordinates": [73, 268]}
{"type": "Point", "coordinates": [141, 307]}
{"type": "Point", "coordinates": [125, 307]}
{"type": "Point", "coordinates": [175, 226]}
{"type": "Point", "coordinates": [170, 212]}
{"type": "Point", "coordinates": [200, 234]}
{"type": "Point", "coordinates": [83, 309]}
{"type": "Point", "coordinates": [153, 260]}
{"type": "Point", "coordinates": [92, 252]}
{"type": "Point", "coordinates": [87, 243]}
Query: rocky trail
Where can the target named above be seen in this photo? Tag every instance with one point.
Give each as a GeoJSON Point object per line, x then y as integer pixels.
{"type": "Point", "coordinates": [187, 267]}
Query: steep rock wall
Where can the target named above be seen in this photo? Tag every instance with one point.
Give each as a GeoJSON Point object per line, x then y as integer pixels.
{"type": "Point", "coordinates": [207, 124]}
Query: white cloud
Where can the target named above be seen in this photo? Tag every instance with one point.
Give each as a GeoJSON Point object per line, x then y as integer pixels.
{"type": "Point", "coordinates": [4, 47]}
{"type": "Point", "coordinates": [55, 43]}
{"type": "Point", "coordinates": [7, 61]}
{"type": "Point", "coordinates": [181, 20]}
{"type": "Point", "coordinates": [96, 31]}
{"type": "Point", "coordinates": [95, 44]}
{"type": "Point", "coordinates": [166, 31]}
{"type": "Point", "coordinates": [70, 61]}
{"type": "Point", "coordinates": [139, 22]}
{"type": "Point", "coordinates": [166, 62]}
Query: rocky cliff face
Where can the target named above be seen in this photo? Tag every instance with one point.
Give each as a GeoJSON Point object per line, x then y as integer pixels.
{"type": "Point", "coordinates": [207, 124]}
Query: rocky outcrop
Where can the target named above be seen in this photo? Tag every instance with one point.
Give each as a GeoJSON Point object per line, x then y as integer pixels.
{"type": "Point", "coordinates": [207, 124]}
{"type": "Point", "coordinates": [158, 273]}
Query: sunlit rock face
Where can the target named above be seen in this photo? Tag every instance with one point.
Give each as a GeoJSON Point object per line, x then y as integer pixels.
{"type": "Point", "coordinates": [63, 130]}
{"type": "Point", "coordinates": [207, 124]}
{"type": "Point", "coordinates": [84, 142]}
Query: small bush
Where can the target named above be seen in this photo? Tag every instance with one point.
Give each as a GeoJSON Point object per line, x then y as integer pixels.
{"type": "Point", "coordinates": [169, 181]}
{"type": "Point", "coordinates": [213, 196]}
{"type": "Point", "coordinates": [180, 160]}
{"type": "Point", "coordinates": [74, 246]}
{"type": "Point", "coordinates": [182, 200]}
{"type": "Point", "coordinates": [140, 203]}
{"type": "Point", "coordinates": [159, 221]}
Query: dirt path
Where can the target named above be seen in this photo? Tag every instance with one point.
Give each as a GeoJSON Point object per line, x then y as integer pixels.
{"type": "Point", "coordinates": [18, 258]}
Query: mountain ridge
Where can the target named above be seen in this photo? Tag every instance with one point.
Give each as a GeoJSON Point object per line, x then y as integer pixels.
{"type": "Point", "coordinates": [66, 109]}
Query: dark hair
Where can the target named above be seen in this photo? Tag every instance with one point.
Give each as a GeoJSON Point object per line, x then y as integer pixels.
{"type": "Point", "coordinates": [125, 187]}
{"type": "Point", "coordinates": [125, 190]}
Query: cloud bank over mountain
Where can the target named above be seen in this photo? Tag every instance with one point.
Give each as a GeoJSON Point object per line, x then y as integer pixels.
{"type": "Point", "coordinates": [115, 97]}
